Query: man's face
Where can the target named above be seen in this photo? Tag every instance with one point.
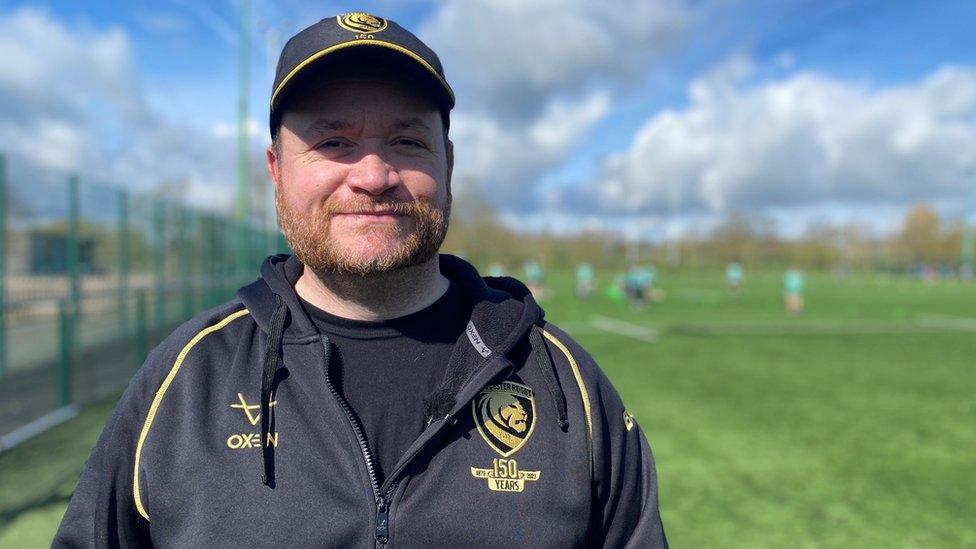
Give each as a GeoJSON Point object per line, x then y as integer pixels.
{"type": "Point", "coordinates": [362, 175]}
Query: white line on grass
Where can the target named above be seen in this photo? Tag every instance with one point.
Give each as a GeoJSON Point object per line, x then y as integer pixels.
{"type": "Point", "coordinates": [828, 327]}
{"type": "Point", "coordinates": [37, 426]}
{"type": "Point", "coordinates": [620, 327]}
{"type": "Point", "coordinates": [948, 322]}
{"type": "Point", "coordinates": [925, 324]}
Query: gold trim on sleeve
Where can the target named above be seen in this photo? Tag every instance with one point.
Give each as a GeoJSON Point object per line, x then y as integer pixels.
{"type": "Point", "coordinates": [159, 397]}
{"type": "Point", "coordinates": [585, 394]}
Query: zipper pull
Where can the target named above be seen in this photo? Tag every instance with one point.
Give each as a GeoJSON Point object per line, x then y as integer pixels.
{"type": "Point", "coordinates": [382, 520]}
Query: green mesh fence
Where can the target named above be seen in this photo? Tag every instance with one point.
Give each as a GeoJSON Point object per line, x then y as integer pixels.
{"type": "Point", "coordinates": [93, 276]}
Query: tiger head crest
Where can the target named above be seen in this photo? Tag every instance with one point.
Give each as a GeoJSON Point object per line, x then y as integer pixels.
{"type": "Point", "coordinates": [505, 416]}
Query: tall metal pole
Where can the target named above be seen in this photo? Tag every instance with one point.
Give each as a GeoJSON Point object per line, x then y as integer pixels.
{"type": "Point", "coordinates": [243, 171]}
{"type": "Point", "coordinates": [3, 264]}
{"type": "Point", "coordinates": [158, 261]}
{"type": "Point", "coordinates": [123, 259]}
{"type": "Point", "coordinates": [66, 323]}
{"type": "Point", "coordinates": [72, 252]}
{"type": "Point", "coordinates": [673, 250]}
{"type": "Point", "coordinates": [186, 256]}
{"type": "Point", "coordinates": [967, 246]}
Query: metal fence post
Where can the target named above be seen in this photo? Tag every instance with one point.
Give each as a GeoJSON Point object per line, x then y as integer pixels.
{"type": "Point", "coordinates": [185, 257]}
{"type": "Point", "coordinates": [72, 261]}
{"type": "Point", "coordinates": [206, 257]}
{"type": "Point", "coordinates": [123, 260]}
{"type": "Point", "coordinates": [141, 342]}
{"type": "Point", "coordinates": [3, 264]}
{"type": "Point", "coordinates": [158, 260]}
{"type": "Point", "coordinates": [63, 375]}
{"type": "Point", "coordinates": [217, 273]}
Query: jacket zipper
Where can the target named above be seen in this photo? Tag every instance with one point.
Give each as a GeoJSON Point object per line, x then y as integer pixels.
{"type": "Point", "coordinates": [382, 525]}
{"type": "Point", "coordinates": [381, 530]}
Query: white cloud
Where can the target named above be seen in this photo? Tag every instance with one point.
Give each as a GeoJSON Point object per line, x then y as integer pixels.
{"type": "Point", "coordinates": [71, 100]}
{"type": "Point", "coordinates": [226, 130]}
{"type": "Point", "coordinates": [562, 122]}
{"type": "Point", "coordinates": [801, 140]}
{"type": "Point", "coordinates": [508, 158]}
{"type": "Point", "coordinates": [510, 56]}
{"type": "Point", "coordinates": [534, 78]}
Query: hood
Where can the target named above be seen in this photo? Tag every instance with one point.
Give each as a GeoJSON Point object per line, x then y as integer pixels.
{"type": "Point", "coordinates": [503, 314]}
{"type": "Point", "coordinates": [503, 308]}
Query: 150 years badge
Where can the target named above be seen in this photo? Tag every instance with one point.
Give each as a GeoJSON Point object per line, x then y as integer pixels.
{"type": "Point", "coordinates": [505, 417]}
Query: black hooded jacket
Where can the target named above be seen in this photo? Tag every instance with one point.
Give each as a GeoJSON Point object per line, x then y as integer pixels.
{"type": "Point", "coordinates": [527, 443]}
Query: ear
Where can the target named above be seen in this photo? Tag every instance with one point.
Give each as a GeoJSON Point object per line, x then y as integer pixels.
{"type": "Point", "coordinates": [273, 166]}
{"type": "Point", "coordinates": [450, 163]}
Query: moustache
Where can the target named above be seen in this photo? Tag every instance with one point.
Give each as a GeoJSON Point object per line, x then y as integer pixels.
{"type": "Point", "coordinates": [398, 207]}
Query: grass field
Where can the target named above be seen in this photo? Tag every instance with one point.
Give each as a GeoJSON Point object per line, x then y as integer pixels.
{"type": "Point", "coordinates": [853, 424]}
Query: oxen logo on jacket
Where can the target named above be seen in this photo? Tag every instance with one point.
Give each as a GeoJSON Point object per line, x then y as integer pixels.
{"type": "Point", "coordinates": [505, 416]}
{"type": "Point", "coordinates": [252, 412]}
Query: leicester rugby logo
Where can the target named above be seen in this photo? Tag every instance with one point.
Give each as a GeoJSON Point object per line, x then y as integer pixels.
{"type": "Point", "coordinates": [505, 416]}
{"type": "Point", "coordinates": [360, 22]}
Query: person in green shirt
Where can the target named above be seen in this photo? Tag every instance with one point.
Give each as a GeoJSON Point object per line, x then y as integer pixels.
{"type": "Point", "coordinates": [793, 291]}
{"type": "Point", "coordinates": [733, 277]}
{"type": "Point", "coordinates": [535, 278]}
{"type": "Point", "coordinates": [584, 280]}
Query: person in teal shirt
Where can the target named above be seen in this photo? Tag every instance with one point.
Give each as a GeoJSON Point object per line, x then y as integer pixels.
{"type": "Point", "coordinates": [534, 279]}
{"type": "Point", "coordinates": [733, 277]}
{"type": "Point", "coordinates": [639, 285]}
{"type": "Point", "coordinates": [584, 280]}
{"type": "Point", "coordinates": [793, 291]}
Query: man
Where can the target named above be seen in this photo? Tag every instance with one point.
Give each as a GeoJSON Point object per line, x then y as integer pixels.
{"type": "Point", "coordinates": [367, 391]}
{"type": "Point", "coordinates": [793, 290]}
{"type": "Point", "coordinates": [535, 278]}
{"type": "Point", "coordinates": [640, 285]}
{"type": "Point", "coordinates": [733, 277]}
{"type": "Point", "coordinates": [584, 280]}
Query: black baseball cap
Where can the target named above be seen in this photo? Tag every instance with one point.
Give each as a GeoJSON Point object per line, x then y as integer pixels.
{"type": "Point", "coordinates": [358, 37]}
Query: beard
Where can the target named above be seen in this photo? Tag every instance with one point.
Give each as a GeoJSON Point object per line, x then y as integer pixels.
{"type": "Point", "coordinates": [311, 235]}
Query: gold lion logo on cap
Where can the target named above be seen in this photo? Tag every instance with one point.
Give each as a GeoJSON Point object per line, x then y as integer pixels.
{"type": "Point", "coordinates": [361, 22]}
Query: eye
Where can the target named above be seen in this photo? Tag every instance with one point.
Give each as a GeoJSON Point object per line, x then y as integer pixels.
{"type": "Point", "coordinates": [409, 142]}
{"type": "Point", "coordinates": [333, 144]}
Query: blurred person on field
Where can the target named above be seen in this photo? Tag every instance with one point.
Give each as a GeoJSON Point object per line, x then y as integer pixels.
{"type": "Point", "coordinates": [793, 286]}
{"type": "Point", "coordinates": [733, 277]}
{"type": "Point", "coordinates": [584, 281]}
{"type": "Point", "coordinates": [535, 278]}
{"type": "Point", "coordinates": [639, 285]}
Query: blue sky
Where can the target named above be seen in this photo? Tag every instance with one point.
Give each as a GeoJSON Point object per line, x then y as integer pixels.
{"type": "Point", "coordinates": [638, 118]}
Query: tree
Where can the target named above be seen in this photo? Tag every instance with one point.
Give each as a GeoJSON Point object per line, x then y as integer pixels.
{"type": "Point", "coordinates": [919, 241]}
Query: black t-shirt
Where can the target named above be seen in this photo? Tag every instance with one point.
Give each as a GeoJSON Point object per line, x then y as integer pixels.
{"type": "Point", "coordinates": [384, 369]}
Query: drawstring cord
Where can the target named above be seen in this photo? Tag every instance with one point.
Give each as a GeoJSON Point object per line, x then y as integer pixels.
{"type": "Point", "coordinates": [548, 371]}
{"type": "Point", "coordinates": [271, 357]}
{"type": "Point", "coordinates": [438, 404]}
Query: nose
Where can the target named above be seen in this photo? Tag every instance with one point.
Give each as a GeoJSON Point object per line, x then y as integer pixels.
{"type": "Point", "coordinates": [371, 174]}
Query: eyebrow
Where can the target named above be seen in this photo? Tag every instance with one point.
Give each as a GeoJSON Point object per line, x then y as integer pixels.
{"type": "Point", "coordinates": [412, 123]}
{"type": "Point", "coordinates": [326, 125]}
